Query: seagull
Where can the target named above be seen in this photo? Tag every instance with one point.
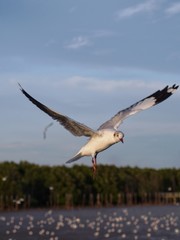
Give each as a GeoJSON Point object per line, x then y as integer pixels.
{"type": "Point", "coordinates": [107, 134]}
{"type": "Point", "coordinates": [45, 129]}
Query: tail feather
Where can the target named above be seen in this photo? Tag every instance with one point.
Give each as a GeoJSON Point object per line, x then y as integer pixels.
{"type": "Point", "coordinates": [75, 158]}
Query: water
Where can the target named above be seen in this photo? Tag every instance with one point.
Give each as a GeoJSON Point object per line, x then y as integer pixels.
{"type": "Point", "coordinates": [142, 222]}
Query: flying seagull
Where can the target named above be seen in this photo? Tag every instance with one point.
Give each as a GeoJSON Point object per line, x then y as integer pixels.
{"type": "Point", "coordinates": [107, 134]}
{"type": "Point", "coordinates": [45, 130]}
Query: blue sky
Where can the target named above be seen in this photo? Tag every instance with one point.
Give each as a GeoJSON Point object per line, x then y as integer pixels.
{"type": "Point", "coordinates": [88, 60]}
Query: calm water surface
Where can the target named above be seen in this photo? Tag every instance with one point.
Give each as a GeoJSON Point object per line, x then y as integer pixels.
{"type": "Point", "coordinates": [142, 222]}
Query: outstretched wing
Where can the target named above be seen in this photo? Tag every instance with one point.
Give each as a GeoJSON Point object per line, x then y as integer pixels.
{"type": "Point", "coordinates": [76, 128]}
{"type": "Point", "coordinates": [143, 104]}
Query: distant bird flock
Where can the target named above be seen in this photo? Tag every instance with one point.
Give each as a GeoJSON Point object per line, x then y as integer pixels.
{"type": "Point", "coordinates": [94, 224]}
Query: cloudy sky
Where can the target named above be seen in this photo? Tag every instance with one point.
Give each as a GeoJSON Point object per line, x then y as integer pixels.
{"type": "Point", "coordinates": [88, 60]}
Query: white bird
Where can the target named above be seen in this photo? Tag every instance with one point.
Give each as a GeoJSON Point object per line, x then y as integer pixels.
{"type": "Point", "coordinates": [45, 130]}
{"type": "Point", "coordinates": [107, 134]}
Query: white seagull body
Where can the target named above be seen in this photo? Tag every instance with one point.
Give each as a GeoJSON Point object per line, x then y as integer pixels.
{"type": "Point", "coordinates": [107, 134]}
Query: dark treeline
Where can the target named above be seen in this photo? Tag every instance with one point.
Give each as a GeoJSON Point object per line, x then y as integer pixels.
{"type": "Point", "coordinates": [30, 185]}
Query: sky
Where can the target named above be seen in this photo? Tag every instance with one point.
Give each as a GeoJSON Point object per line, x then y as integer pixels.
{"type": "Point", "coordinates": [88, 60]}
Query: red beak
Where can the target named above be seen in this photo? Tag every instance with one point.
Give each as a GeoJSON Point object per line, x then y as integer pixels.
{"type": "Point", "coordinates": [122, 140]}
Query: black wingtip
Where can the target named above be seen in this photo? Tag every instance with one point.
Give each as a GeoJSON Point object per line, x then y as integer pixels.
{"type": "Point", "coordinates": [23, 91]}
{"type": "Point", "coordinates": [20, 86]}
{"type": "Point", "coordinates": [175, 86]}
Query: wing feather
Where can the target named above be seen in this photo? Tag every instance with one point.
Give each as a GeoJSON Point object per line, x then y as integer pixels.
{"type": "Point", "coordinates": [76, 128]}
{"type": "Point", "coordinates": [152, 100]}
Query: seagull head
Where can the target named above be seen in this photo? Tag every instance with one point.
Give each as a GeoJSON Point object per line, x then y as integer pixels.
{"type": "Point", "coordinates": [118, 136]}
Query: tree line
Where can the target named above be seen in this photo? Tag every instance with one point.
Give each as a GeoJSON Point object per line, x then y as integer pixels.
{"type": "Point", "coordinates": [32, 185]}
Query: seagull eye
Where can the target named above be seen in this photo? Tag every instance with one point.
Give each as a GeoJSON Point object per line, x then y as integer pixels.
{"type": "Point", "coordinates": [116, 134]}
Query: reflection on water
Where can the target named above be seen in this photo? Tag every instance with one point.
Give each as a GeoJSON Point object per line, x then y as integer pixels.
{"type": "Point", "coordinates": [145, 222]}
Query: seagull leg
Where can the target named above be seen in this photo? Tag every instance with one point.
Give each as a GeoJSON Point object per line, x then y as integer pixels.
{"type": "Point", "coordinates": [94, 167]}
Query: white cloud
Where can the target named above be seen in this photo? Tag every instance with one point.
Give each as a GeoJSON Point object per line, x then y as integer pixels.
{"type": "Point", "coordinates": [12, 145]}
{"type": "Point", "coordinates": [148, 6]}
{"type": "Point", "coordinates": [78, 42]}
{"type": "Point", "coordinates": [173, 9]}
{"type": "Point", "coordinates": [73, 9]}
{"type": "Point", "coordinates": [102, 33]}
{"type": "Point", "coordinates": [49, 43]}
{"type": "Point", "coordinates": [104, 85]}
{"type": "Point", "coordinates": [82, 41]}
